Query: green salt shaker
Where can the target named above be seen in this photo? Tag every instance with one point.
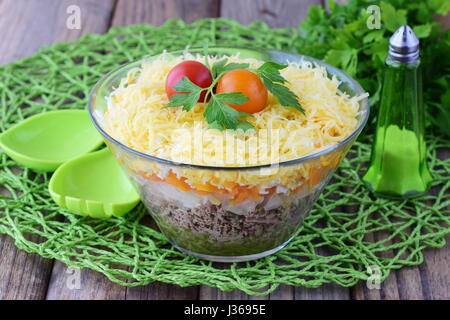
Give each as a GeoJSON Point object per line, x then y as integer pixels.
{"type": "Point", "coordinates": [398, 165]}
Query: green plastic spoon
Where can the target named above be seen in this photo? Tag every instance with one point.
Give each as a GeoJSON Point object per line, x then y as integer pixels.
{"type": "Point", "coordinates": [47, 140]}
{"type": "Point", "coordinates": [93, 185]}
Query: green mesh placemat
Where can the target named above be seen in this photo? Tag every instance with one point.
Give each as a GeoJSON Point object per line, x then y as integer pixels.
{"type": "Point", "coordinates": [347, 231]}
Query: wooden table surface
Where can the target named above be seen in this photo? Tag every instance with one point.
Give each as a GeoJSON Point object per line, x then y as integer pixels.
{"type": "Point", "coordinates": [26, 25]}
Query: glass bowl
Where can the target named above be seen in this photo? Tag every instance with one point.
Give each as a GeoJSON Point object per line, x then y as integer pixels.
{"type": "Point", "coordinates": [206, 222]}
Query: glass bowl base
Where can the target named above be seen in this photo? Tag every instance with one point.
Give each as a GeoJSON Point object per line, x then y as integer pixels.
{"type": "Point", "coordinates": [231, 259]}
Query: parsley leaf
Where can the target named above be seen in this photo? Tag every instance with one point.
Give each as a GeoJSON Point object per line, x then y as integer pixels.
{"type": "Point", "coordinates": [270, 75]}
{"type": "Point", "coordinates": [190, 93]}
{"type": "Point", "coordinates": [215, 125]}
{"type": "Point", "coordinates": [270, 70]}
{"type": "Point", "coordinates": [285, 96]}
{"type": "Point", "coordinates": [221, 116]}
{"type": "Point", "coordinates": [346, 59]}
{"type": "Point", "coordinates": [245, 126]}
{"type": "Point", "coordinates": [391, 17]}
{"type": "Point", "coordinates": [235, 98]}
{"type": "Point", "coordinates": [422, 31]}
{"type": "Point", "coordinates": [221, 66]}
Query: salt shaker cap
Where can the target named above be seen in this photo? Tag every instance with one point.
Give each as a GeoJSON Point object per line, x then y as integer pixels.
{"type": "Point", "coordinates": [404, 45]}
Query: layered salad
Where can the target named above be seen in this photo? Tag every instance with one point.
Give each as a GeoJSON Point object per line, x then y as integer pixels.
{"type": "Point", "coordinates": [228, 127]}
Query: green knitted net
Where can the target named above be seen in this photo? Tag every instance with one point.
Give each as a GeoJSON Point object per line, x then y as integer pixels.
{"type": "Point", "coordinates": [347, 232]}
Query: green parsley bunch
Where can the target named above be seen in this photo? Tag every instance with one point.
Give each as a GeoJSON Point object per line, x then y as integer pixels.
{"type": "Point", "coordinates": [340, 36]}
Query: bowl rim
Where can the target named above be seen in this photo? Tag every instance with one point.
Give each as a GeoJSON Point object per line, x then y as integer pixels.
{"type": "Point", "coordinates": [365, 109]}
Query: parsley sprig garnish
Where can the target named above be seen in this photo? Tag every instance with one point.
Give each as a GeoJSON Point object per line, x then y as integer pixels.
{"type": "Point", "coordinates": [188, 99]}
{"type": "Point", "coordinates": [218, 113]}
{"type": "Point", "coordinates": [270, 75]}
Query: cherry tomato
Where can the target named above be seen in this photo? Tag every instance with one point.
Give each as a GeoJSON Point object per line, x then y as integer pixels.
{"type": "Point", "coordinates": [195, 71]}
{"type": "Point", "coordinates": [247, 82]}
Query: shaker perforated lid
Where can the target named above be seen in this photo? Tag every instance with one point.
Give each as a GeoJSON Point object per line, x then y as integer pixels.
{"type": "Point", "coordinates": [404, 45]}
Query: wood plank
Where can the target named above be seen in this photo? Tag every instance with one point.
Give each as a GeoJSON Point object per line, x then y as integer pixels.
{"type": "Point", "coordinates": [329, 291]}
{"type": "Point", "coordinates": [162, 291]}
{"type": "Point", "coordinates": [156, 12]}
{"type": "Point", "coordinates": [277, 14]}
{"type": "Point", "coordinates": [388, 290]}
{"type": "Point", "coordinates": [23, 276]}
{"type": "Point", "coordinates": [429, 280]}
{"type": "Point", "coordinates": [435, 272]}
{"type": "Point", "coordinates": [209, 293]}
{"type": "Point", "coordinates": [283, 292]}
{"type": "Point", "coordinates": [85, 284]}
{"type": "Point", "coordinates": [25, 26]}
